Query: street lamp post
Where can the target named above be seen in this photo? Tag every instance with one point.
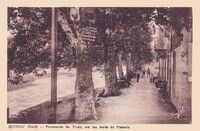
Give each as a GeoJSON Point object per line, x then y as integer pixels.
{"type": "Point", "coordinates": [53, 66]}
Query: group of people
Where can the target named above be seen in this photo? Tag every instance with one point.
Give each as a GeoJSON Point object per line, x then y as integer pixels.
{"type": "Point", "coordinates": [143, 73]}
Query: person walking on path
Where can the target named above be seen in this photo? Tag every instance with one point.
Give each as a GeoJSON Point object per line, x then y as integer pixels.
{"type": "Point", "coordinates": [148, 73]}
{"type": "Point", "coordinates": [138, 75]}
{"type": "Point", "coordinates": [143, 73]}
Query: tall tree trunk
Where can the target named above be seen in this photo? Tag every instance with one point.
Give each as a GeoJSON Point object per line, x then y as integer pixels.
{"type": "Point", "coordinates": [84, 87]}
{"type": "Point", "coordinates": [120, 70]}
{"type": "Point", "coordinates": [132, 66]}
{"type": "Point", "coordinates": [110, 72]}
{"type": "Point", "coordinates": [128, 66]}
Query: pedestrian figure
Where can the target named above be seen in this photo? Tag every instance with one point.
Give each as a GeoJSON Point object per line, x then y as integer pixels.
{"type": "Point", "coordinates": [138, 75]}
{"type": "Point", "coordinates": [143, 73]}
{"type": "Point", "coordinates": [151, 78]}
{"type": "Point", "coordinates": [148, 73]}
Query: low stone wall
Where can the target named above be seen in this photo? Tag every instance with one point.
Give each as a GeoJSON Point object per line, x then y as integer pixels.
{"type": "Point", "coordinates": [40, 114]}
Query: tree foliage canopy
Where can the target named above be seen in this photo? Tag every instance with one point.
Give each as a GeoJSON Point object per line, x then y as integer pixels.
{"type": "Point", "coordinates": [175, 18]}
{"type": "Point", "coordinates": [125, 28]}
{"type": "Point", "coordinates": [28, 46]}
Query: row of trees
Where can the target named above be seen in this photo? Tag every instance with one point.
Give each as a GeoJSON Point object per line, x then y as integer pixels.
{"type": "Point", "coordinates": [123, 36]}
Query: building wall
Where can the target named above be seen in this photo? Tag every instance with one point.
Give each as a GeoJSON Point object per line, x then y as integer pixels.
{"type": "Point", "coordinates": [176, 77]}
{"type": "Point", "coordinates": [181, 67]}
{"type": "Point", "coordinates": [176, 69]}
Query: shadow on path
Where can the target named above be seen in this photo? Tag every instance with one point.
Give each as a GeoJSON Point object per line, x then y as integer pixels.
{"type": "Point", "coordinates": [141, 103]}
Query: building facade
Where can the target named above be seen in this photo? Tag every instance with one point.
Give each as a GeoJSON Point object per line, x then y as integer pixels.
{"type": "Point", "coordinates": [175, 66]}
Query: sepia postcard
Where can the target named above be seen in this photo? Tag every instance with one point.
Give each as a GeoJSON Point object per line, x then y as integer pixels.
{"type": "Point", "coordinates": [99, 65]}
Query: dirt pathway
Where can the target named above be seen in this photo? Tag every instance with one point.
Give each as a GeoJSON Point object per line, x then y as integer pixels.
{"type": "Point", "coordinates": [139, 104]}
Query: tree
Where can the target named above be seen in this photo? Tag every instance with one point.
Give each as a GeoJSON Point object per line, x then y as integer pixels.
{"type": "Point", "coordinates": [29, 42]}
{"type": "Point", "coordinates": [105, 26]}
{"type": "Point", "coordinates": [175, 18]}
{"type": "Point", "coordinates": [112, 34]}
{"type": "Point", "coordinates": [120, 68]}
{"type": "Point", "coordinates": [84, 87]}
{"type": "Point", "coordinates": [115, 25]}
{"type": "Point", "coordinates": [141, 50]}
{"type": "Point", "coordinates": [110, 69]}
{"type": "Point", "coordinates": [135, 23]}
{"type": "Point", "coordinates": [28, 47]}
